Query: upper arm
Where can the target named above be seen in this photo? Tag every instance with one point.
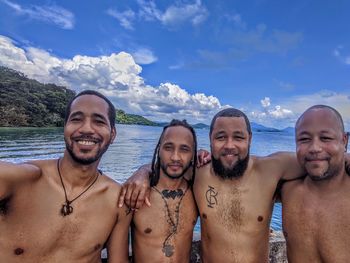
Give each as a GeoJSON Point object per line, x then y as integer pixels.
{"type": "Point", "coordinates": [13, 174]}
{"type": "Point", "coordinates": [118, 242]}
{"type": "Point", "coordinates": [286, 165]}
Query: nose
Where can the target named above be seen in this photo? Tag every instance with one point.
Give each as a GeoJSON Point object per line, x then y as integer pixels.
{"type": "Point", "coordinates": [230, 144]}
{"type": "Point", "coordinates": [315, 146]}
{"type": "Point", "coordinates": [175, 156]}
{"type": "Point", "coordinates": [86, 127]}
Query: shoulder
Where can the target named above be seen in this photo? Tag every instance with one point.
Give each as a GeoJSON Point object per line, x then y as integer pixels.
{"type": "Point", "coordinates": [277, 164]}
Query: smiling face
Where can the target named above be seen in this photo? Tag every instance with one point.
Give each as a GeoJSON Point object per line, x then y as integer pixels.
{"type": "Point", "coordinates": [87, 132]}
{"type": "Point", "coordinates": [176, 151]}
{"type": "Point", "coordinates": [230, 142]}
{"type": "Point", "coordinates": [320, 143]}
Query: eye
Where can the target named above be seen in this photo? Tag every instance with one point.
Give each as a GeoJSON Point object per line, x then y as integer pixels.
{"type": "Point", "coordinates": [220, 137]}
{"type": "Point", "coordinates": [167, 147]}
{"type": "Point", "coordinates": [100, 121]}
{"type": "Point", "coordinates": [326, 138]}
{"type": "Point", "coordinates": [75, 119]}
{"type": "Point", "coordinates": [303, 139]}
{"type": "Point", "coordinates": [185, 149]}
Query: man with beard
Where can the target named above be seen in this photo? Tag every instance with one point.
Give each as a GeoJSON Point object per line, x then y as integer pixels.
{"type": "Point", "coordinates": [234, 193]}
{"type": "Point", "coordinates": [316, 209]}
{"type": "Point", "coordinates": [65, 210]}
{"type": "Point", "coordinates": [163, 232]}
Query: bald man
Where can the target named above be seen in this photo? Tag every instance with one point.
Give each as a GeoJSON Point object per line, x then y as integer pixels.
{"type": "Point", "coordinates": [316, 209]}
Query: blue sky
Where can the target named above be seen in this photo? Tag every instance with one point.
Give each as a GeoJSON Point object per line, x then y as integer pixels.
{"type": "Point", "coordinates": [188, 59]}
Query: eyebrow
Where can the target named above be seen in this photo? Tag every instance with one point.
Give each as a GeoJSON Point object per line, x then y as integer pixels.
{"type": "Point", "coordinates": [80, 113]}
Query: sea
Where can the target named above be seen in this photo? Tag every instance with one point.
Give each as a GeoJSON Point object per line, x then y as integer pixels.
{"type": "Point", "coordinates": [134, 146]}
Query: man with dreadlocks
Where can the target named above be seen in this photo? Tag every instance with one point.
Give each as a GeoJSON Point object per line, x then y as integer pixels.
{"type": "Point", "coordinates": [163, 232]}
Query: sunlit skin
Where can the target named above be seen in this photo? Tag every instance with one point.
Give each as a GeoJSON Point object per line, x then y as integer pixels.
{"type": "Point", "coordinates": [150, 224]}
{"type": "Point", "coordinates": [316, 210]}
{"type": "Point", "coordinates": [321, 144]}
{"type": "Point", "coordinates": [87, 132]}
{"type": "Point", "coordinates": [230, 141]}
{"type": "Point", "coordinates": [32, 227]}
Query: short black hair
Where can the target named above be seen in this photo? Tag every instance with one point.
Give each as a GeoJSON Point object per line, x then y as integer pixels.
{"type": "Point", "coordinates": [321, 106]}
{"type": "Point", "coordinates": [155, 173]}
{"type": "Point", "coordinates": [230, 112]}
{"type": "Point", "coordinates": [111, 108]}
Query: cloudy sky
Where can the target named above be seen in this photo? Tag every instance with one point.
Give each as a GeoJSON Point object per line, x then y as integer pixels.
{"type": "Point", "coordinates": [187, 58]}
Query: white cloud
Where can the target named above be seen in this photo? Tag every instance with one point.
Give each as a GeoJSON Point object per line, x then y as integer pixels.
{"type": "Point", "coordinates": [338, 53]}
{"type": "Point", "coordinates": [286, 112]}
{"type": "Point", "coordinates": [125, 18]}
{"type": "Point", "coordinates": [265, 102]}
{"type": "Point", "coordinates": [116, 75]}
{"type": "Point", "coordinates": [51, 14]}
{"type": "Point", "coordinates": [174, 15]}
{"type": "Point", "coordinates": [144, 56]}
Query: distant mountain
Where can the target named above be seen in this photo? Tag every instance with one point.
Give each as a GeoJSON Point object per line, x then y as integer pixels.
{"type": "Point", "coordinates": [200, 126]}
{"type": "Point", "coordinates": [261, 128]}
{"type": "Point", "coordinates": [288, 130]}
{"type": "Point", "coordinates": [125, 118]}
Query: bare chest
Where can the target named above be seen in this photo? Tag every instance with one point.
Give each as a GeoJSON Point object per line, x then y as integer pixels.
{"type": "Point", "coordinates": [317, 224]}
{"type": "Point", "coordinates": [234, 209]}
{"type": "Point", "coordinates": [34, 226]}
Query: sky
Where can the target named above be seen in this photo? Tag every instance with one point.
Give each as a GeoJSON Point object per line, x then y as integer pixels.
{"type": "Point", "coordinates": [187, 59]}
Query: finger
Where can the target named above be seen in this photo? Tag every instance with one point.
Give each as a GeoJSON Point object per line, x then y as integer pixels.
{"type": "Point", "coordinates": [148, 203]}
{"type": "Point", "coordinates": [129, 190]}
{"type": "Point", "coordinates": [140, 200]}
{"type": "Point", "coordinates": [121, 197]}
{"type": "Point", "coordinates": [134, 195]}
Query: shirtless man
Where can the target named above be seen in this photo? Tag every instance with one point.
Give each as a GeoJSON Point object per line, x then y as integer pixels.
{"type": "Point", "coordinates": [316, 209]}
{"type": "Point", "coordinates": [65, 210]}
{"type": "Point", "coordinates": [163, 232]}
{"type": "Point", "coordinates": [235, 193]}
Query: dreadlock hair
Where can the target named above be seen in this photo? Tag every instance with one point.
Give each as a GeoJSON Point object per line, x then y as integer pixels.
{"type": "Point", "coordinates": [155, 172]}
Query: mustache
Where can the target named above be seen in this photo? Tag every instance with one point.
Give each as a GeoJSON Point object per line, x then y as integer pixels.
{"type": "Point", "coordinates": [229, 152]}
{"type": "Point", "coordinates": [316, 158]}
{"type": "Point", "coordinates": [175, 163]}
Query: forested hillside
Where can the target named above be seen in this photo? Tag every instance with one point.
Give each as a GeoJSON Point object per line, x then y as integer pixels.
{"type": "Point", "coordinates": [27, 102]}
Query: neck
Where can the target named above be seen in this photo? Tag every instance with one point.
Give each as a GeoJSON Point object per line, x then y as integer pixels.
{"type": "Point", "coordinates": [167, 183]}
{"type": "Point", "coordinates": [330, 185]}
{"type": "Point", "coordinates": [75, 174]}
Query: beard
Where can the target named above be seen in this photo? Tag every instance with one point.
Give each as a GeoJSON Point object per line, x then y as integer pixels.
{"type": "Point", "coordinates": [229, 173]}
{"type": "Point", "coordinates": [176, 176]}
{"type": "Point", "coordinates": [87, 160]}
{"type": "Point", "coordinates": [329, 174]}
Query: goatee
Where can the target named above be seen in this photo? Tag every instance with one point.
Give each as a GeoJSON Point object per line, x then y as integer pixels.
{"type": "Point", "coordinates": [86, 161]}
{"type": "Point", "coordinates": [229, 173]}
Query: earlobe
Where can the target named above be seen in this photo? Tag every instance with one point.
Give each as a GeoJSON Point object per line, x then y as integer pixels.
{"type": "Point", "coordinates": [113, 134]}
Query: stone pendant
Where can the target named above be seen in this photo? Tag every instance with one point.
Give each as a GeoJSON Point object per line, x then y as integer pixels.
{"type": "Point", "coordinates": [168, 250]}
{"type": "Point", "coordinates": [66, 209]}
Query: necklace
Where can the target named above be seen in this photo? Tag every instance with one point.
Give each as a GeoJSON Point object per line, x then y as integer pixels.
{"type": "Point", "coordinates": [168, 249]}
{"type": "Point", "coordinates": [66, 207]}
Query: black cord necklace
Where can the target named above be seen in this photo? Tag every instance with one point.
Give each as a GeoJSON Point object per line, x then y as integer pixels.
{"type": "Point", "coordinates": [66, 207]}
{"type": "Point", "coordinates": [168, 249]}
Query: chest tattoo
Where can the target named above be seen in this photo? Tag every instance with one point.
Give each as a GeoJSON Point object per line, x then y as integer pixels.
{"type": "Point", "coordinates": [210, 196]}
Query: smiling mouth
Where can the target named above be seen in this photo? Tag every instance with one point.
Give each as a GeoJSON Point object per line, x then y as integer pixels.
{"type": "Point", "coordinates": [85, 142]}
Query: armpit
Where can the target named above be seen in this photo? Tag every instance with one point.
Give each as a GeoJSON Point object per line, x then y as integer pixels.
{"type": "Point", "coordinates": [4, 205]}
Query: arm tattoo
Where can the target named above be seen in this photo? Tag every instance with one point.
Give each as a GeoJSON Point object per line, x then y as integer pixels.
{"type": "Point", "coordinates": [210, 195]}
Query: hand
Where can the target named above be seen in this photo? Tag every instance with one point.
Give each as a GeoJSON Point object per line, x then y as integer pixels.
{"type": "Point", "coordinates": [136, 190]}
{"type": "Point", "coordinates": [203, 157]}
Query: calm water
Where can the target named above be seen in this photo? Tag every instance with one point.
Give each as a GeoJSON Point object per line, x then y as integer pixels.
{"type": "Point", "coordinates": [133, 147]}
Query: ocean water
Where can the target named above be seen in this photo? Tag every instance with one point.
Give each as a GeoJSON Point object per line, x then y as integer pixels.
{"type": "Point", "coordinates": [133, 147]}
